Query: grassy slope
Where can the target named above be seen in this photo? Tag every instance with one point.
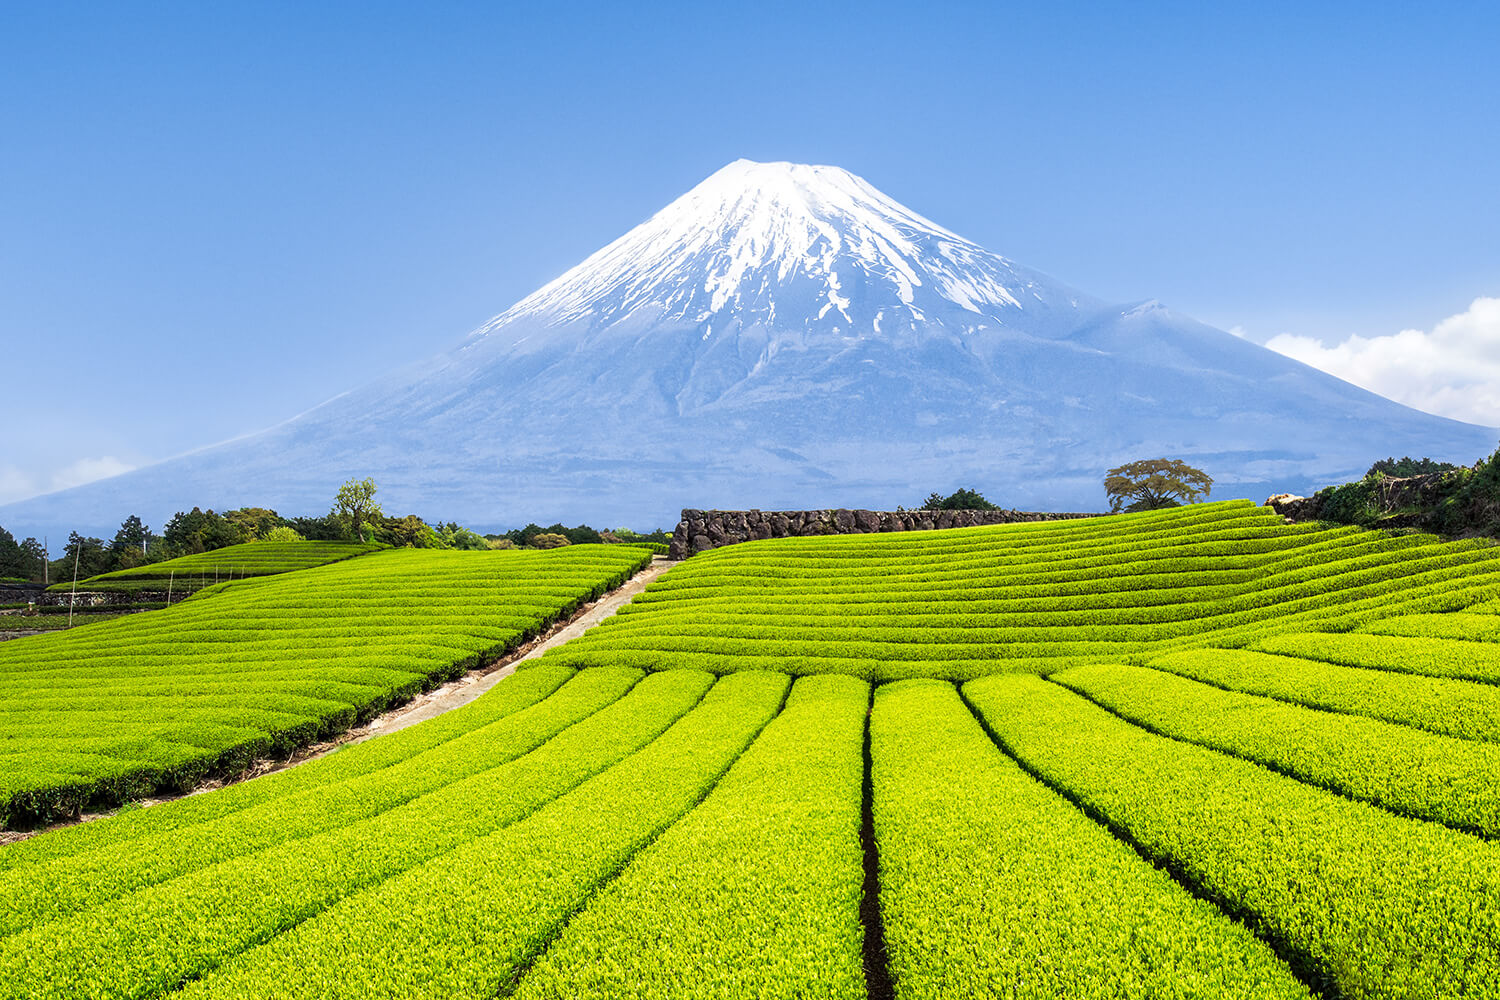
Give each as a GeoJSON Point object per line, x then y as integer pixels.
{"type": "Point", "coordinates": [264, 665]}
{"type": "Point", "coordinates": [1290, 800]}
{"type": "Point", "coordinates": [1033, 597]}
{"type": "Point", "coordinates": [233, 562]}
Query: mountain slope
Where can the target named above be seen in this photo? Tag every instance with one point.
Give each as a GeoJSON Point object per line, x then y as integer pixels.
{"type": "Point", "coordinates": [787, 336]}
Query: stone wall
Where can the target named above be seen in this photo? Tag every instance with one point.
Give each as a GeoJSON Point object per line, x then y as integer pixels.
{"type": "Point", "coordinates": [85, 598]}
{"type": "Point", "coordinates": [701, 530]}
{"type": "Point", "coordinates": [1294, 507]}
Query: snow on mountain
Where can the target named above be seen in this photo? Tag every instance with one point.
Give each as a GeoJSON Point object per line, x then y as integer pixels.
{"type": "Point", "coordinates": [819, 240]}
{"type": "Point", "coordinates": [786, 335]}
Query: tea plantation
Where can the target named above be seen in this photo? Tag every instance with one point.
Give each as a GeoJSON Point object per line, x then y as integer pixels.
{"type": "Point", "coordinates": [193, 572]}
{"type": "Point", "coordinates": [262, 666]}
{"type": "Point", "coordinates": [1195, 753]}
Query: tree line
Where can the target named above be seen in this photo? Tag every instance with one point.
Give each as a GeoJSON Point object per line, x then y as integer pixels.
{"type": "Point", "coordinates": [354, 516]}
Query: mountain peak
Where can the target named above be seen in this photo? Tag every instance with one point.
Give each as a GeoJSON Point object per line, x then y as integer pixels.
{"type": "Point", "coordinates": [786, 336]}
{"type": "Point", "coordinates": [764, 245]}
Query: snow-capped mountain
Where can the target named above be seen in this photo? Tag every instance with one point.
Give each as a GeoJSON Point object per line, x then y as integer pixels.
{"type": "Point", "coordinates": [787, 336]}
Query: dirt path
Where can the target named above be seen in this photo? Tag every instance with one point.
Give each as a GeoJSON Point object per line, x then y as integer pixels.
{"type": "Point", "coordinates": [464, 690]}
{"type": "Point", "coordinates": [433, 703]}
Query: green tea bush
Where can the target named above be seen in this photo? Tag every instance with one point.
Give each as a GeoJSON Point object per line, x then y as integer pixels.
{"type": "Point", "coordinates": [1370, 904]}
{"type": "Point", "coordinates": [265, 665]}
{"type": "Point", "coordinates": [992, 885]}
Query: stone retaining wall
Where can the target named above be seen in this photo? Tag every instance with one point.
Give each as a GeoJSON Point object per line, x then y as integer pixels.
{"type": "Point", "coordinates": [85, 599]}
{"type": "Point", "coordinates": [701, 530]}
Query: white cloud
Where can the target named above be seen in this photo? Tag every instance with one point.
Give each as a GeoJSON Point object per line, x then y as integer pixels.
{"type": "Point", "coordinates": [18, 483]}
{"type": "Point", "coordinates": [86, 470]}
{"type": "Point", "coordinates": [1452, 370]}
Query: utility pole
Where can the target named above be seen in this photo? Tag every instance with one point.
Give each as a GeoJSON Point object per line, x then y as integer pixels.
{"type": "Point", "coordinates": [46, 558]}
{"type": "Point", "coordinates": [78, 551]}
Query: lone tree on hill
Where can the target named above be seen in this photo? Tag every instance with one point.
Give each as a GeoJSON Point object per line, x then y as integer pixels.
{"type": "Point", "coordinates": [354, 504]}
{"type": "Point", "coordinates": [1154, 483]}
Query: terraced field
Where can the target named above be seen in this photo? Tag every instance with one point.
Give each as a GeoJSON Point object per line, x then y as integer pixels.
{"type": "Point", "coordinates": [1198, 753]}
{"type": "Point", "coordinates": [186, 574]}
{"type": "Point", "coordinates": [1031, 597]}
{"type": "Point", "coordinates": [264, 665]}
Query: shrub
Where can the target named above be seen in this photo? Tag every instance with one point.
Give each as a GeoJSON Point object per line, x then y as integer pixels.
{"type": "Point", "coordinates": [959, 499]}
{"type": "Point", "coordinates": [1351, 503]}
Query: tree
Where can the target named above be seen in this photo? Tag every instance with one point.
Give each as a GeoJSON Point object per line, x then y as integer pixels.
{"type": "Point", "coordinates": [456, 537]}
{"type": "Point", "coordinates": [89, 555]}
{"type": "Point", "coordinates": [409, 531]}
{"type": "Point", "coordinates": [129, 545]}
{"type": "Point", "coordinates": [959, 499]}
{"type": "Point", "coordinates": [200, 531]}
{"type": "Point", "coordinates": [1406, 466]}
{"type": "Point", "coordinates": [33, 560]}
{"type": "Point", "coordinates": [281, 533]}
{"type": "Point", "coordinates": [317, 529]}
{"type": "Point", "coordinates": [1154, 483]}
{"type": "Point", "coordinates": [12, 559]}
{"type": "Point", "coordinates": [253, 522]}
{"type": "Point", "coordinates": [354, 504]}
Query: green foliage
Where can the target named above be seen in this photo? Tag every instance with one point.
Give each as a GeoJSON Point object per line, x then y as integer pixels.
{"type": "Point", "coordinates": [1438, 705]}
{"type": "Point", "coordinates": [500, 898]}
{"type": "Point", "coordinates": [85, 556]}
{"type": "Point", "coordinates": [1406, 466]}
{"type": "Point", "coordinates": [187, 573]}
{"type": "Point", "coordinates": [1451, 500]}
{"type": "Point", "coordinates": [201, 531]}
{"type": "Point", "coordinates": [317, 529]}
{"type": "Point", "coordinates": [254, 523]}
{"type": "Point", "coordinates": [626, 535]}
{"type": "Point", "coordinates": [580, 535]}
{"type": "Point", "coordinates": [256, 892]}
{"type": "Point", "coordinates": [972, 601]}
{"type": "Point", "coordinates": [1427, 655]}
{"type": "Point", "coordinates": [407, 532]}
{"type": "Point", "coordinates": [991, 885]}
{"type": "Point", "coordinates": [1449, 781]}
{"type": "Point", "coordinates": [33, 560]}
{"type": "Point", "coordinates": [655, 548]}
{"type": "Point", "coordinates": [455, 537]}
{"type": "Point", "coordinates": [1351, 503]}
{"type": "Point", "coordinates": [960, 499]}
{"type": "Point", "coordinates": [1472, 506]}
{"type": "Point", "coordinates": [1155, 483]}
{"type": "Point", "coordinates": [281, 534]}
{"type": "Point", "coordinates": [1327, 783]}
{"type": "Point", "coordinates": [266, 665]}
{"type": "Point", "coordinates": [355, 507]}
{"type": "Point", "coordinates": [797, 863]}
{"type": "Point", "coordinates": [129, 546]}
{"type": "Point", "coordinates": [369, 757]}
{"type": "Point", "coordinates": [12, 559]}
{"type": "Point", "coordinates": [1372, 904]}
{"type": "Point", "coordinates": [330, 815]}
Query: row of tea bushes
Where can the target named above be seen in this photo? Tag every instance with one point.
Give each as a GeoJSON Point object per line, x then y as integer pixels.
{"type": "Point", "coordinates": [262, 666]}
{"type": "Point", "coordinates": [1370, 903]}
{"type": "Point", "coordinates": [1029, 597]}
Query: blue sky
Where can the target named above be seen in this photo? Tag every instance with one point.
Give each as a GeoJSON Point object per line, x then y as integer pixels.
{"type": "Point", "coordinates": [214, 216]}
